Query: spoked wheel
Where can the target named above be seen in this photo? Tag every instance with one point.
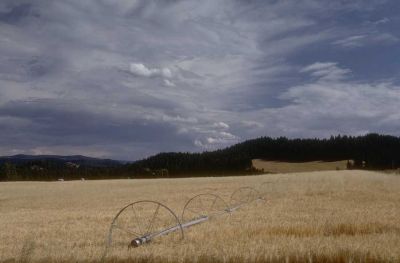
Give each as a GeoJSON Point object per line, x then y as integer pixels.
{"type": "Point", "coordinates": [242, 196]}
{"type": "Point", "coordinates": [203, 206]}
{"type": "Point", "coordinates": [140, 222]}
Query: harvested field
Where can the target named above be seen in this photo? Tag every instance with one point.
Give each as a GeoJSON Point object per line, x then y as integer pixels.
{"type": "Point", "coordinates": [296, 167]}
{"type": "Point", "coordinates": [335, 216]}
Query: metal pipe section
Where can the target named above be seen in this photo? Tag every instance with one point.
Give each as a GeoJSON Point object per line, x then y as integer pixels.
{"type": "Point", "coordinates": [147, 238]}
{"type": "Point", "coordinates": [233, 209]}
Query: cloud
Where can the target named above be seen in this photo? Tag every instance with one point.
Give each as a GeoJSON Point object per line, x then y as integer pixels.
{"type": "Point", "coordinates": [385, 38]}
{"type": "Point", "coordinates": [339, 106]}
{"type": "Point", "coordinates": [382, 21]}
{"type": "Point", "coordinates": [67, 125]}
{"type": "Point", "coordinates": [326, 71]}
{"type": "Point", "coordinates": [143, 71]}
{"type": "Point", "coordinates": [199, 143]}
{"type": "Point", "coordinates": [221, 125]}
{"type": "Point", "coordinates": [126, 79]}
{"type": "Point", "coordinates": [352, 41]}
{"type": "Point", "coordinates": [320, 108]}
{"type": "Point", "coordinates": [251, 124]}
{"type": "Point", "coordinates": [168, 83]}
{"type": "Point", "coordinates": [220, 139]}
{"type": "Point", "coordinates": [16, 13]}
{"type": "Point", "coordinates": [375, 38]}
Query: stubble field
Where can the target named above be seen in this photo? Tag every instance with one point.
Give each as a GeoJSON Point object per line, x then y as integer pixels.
{"type": "Point", "coordinates": [332, 216]}
{"type": "Point", "coordinates": [291, 167]}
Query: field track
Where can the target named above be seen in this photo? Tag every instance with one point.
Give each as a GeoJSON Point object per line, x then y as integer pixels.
{"type": "Point", "coordinates": [331, 216]}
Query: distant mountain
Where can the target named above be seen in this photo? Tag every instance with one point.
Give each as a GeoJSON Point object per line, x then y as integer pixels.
{"type": "Point", "coordinates": [61, 160]}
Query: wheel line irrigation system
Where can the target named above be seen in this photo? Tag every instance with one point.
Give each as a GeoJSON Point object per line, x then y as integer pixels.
{"type": "Point", "coordinates": [198, 209]}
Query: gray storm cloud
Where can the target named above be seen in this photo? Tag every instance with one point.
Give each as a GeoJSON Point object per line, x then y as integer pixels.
{"type": "Point", "coordinates": [127, 79]}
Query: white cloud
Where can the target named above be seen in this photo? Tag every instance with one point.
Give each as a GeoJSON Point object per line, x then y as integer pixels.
{"type": "Point", "coordinates": [227, 136]}
{"type": "Point", "coordinates": [352, 41]}
{"type": "Point", "coordinates": [218, 140]}
{"type": "Point", "coordinates": [221, 125]}
{"type": "Point", "coordinates": [326, 71]}
{"type": "Point", "coordinates": [374, 38]}
{"type": "Point", "coordinates": [168, 83]}
{"type": "Point", "coordinates": [166, 73]}
{"type": "Point", "coordinates": [382, 21]}
{"type": "Point", "coordinates": [211, 140]}
{"type": "Point", "coordinates": [336, 106]}
{"type": "Point", "coordinates": [140, 69]}
{"type": "Point", "coordinates": [198, 143]}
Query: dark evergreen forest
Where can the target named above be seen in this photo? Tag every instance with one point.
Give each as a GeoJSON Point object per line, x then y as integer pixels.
{"type": "Point", "coordinates": [372, 151]}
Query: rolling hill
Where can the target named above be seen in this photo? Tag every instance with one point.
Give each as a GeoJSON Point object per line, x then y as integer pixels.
{"type": "Point", "coordinates": [60, 160]}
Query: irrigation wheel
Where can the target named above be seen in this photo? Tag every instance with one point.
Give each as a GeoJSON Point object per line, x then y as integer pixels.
{"type": "Point", "coordinates": [141, 222]}
{"type": "Point", "coordinates": [204, 205]}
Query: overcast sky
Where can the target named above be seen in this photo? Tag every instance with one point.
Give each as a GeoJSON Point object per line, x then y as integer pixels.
{"type": "Point", "coordinates": [126, 79]}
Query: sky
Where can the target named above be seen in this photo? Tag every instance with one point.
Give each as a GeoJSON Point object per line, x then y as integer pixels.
{"type": "Point", "coordinates": [126, 79]}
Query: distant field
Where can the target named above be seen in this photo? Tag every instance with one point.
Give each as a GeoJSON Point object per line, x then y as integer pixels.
{"type": "Point", "coordinates": [292, 167]}
{"type": "Point", "coordinates": [335, 216]}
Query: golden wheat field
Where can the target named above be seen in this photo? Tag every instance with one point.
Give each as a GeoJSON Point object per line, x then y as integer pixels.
{"type": "Point", "coordinates": [331, 216]}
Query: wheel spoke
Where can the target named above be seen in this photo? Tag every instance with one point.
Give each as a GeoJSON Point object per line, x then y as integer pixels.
{"type": "Point", "coordinates": [150, 226]}
{"type": "Point", "coordinates": [202, 205]}
{"type": "Point", "coordinates": [212, 206]}
{"type": "Point", "coordinates": [139, 222]}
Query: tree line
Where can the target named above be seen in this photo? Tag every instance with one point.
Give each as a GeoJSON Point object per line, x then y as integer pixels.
{"type": "Point", "coordinates": [372, 151]}
{"type": "Point", "coordinates": [49, 170]}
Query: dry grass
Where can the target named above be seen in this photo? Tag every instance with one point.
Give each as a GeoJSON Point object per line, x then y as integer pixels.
{"type": "Point", "coordinates": [337, 216]}
{"type": "Point", "coordinates": [293, 167]}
